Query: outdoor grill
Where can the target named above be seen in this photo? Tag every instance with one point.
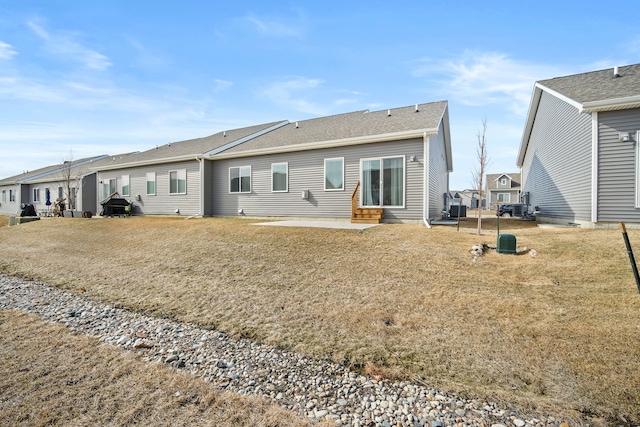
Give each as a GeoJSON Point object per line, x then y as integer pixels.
{"type": "Point", "coordinates": [114, 205]}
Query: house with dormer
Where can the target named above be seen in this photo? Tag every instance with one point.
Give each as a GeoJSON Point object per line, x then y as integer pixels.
{"type": "Point", "coordinates": [503, 188]}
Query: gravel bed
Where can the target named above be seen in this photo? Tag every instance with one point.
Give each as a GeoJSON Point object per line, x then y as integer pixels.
{"type": "Point", "coordinates": [312, 388]}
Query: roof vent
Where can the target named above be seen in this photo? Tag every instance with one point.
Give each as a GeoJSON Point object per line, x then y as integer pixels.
{"type": "Point", "coordinates": [417, 110]}
{"type": "Point", "coordinates": [224, 134]}
{"type": "Point", "coordinates": [388, 113]}
{"type": "Point", "coordinates": [616, 74]}
{"type": "Point", "coordinates": [296, 125]}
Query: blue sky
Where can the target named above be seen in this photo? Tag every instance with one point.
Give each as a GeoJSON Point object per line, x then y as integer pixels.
{"type": "Point", "coordinates": [107, 77]}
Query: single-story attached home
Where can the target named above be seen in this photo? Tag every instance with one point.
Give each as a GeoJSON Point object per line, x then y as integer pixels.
{"type": "Point", "coordinates": [579, 154]}
{"type": "Point", "coordinates": [71, 181]}
{"type": "Point", "coordinates": [401, 158]}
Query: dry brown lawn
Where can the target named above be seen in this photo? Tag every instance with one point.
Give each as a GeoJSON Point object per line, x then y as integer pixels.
{"type": "Point", "coordinates": [50, 377]}
{"type": "Point", "coordinates": [557, 333]}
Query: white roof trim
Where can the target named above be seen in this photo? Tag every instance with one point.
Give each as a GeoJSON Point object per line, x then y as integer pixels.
{"type": "Point", "coordinates": [62, 167]}
{"type": "Point", "coordinates": [146, 162]}
{"type": "Point", "coordinates": [244, 139]}
{"type": "Point", "coordinates": [561, 96]}
{"type": "Point", "coordinates": [611, 104]}
{"type": "Point", "coordinates": [501, 175]}
{"type": "Point", "coordinates": [370, 139]}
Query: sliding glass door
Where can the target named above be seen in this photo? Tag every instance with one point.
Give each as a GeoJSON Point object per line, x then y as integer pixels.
{"type": "Point", "coordinates": [382, 182]}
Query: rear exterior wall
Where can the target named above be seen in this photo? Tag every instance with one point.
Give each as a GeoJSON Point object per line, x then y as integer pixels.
{"type": "Point", "coordinates": [306, 173]}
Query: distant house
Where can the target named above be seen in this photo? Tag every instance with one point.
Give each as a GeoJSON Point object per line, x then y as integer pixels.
{"type": "Point", "coordinates": [401, 158]}
{"type": "Point", "coordinates": [70, 180]}
{"type": "Point", "coordinates": [468, 198]}
{"type": "Point", "coordinates": [579, 154]}
{"type": "Point", "coordinates": [503, 188]}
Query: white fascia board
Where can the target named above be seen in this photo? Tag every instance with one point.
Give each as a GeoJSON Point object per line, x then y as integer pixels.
{"type": "Point", "coordinates": [611, 104]}
{"type": "Point", "coordinates": [58, 170]}
{"type": "Point", "coordinates": [329, 144]}
{"type": "Point", "coordinates": [146, 162]}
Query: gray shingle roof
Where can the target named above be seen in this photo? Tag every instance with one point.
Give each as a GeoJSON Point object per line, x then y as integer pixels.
{"type": "Point", "coordinates": [349, 125]}
{"type": "Point", "coordinates": [52, 170]}
{"type": "Point", "coordinates": [191, 147]}
{"type": "Point", "coordinates": [492, 178]}
{"type": "Point", "coordinates": [598, 85]}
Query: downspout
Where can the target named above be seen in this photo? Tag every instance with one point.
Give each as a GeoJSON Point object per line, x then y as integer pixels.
{"type": "Point", "coordinates": [200, 161]}
{"type": "Point", "coordinates": [425, 206]}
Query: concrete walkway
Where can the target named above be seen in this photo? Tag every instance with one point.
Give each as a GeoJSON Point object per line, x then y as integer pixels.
{"type": "Point", "coordinates": [345, 225]}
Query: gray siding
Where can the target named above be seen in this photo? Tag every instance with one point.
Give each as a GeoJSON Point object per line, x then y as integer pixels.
{"type": "Point", "coordinates": [162, 203]}
{"type": "Point", "coordinates": [7, 207]}
{"type": "Point", "coordinates": [87, 200]}
{"type": "Point", "coordinates": [617, 167]}
{"type": "Point", "coordinates": [306, 172]}
{"type": "Point", "coordinates": [438, 175]}
{"type": "Point", "coordinates": [557, 166]}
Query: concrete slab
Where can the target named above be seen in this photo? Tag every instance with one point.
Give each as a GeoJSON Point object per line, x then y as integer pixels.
{"type": "Point", "coordinates": [345, 225]}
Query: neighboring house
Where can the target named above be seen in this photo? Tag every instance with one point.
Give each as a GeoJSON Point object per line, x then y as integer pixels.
{"type": "Point", "coordinates": [468, 198]}
{"type": "Point", "coordinates": [503, 188]}
{"type": "Point", "coordinates": [579, 153]}
{"type": "Point", "coordinates": [70, 180]}
{"type": "Point", "coordinates": [310, 168]}
{"type": "Point", "coordinates": [173, 178]}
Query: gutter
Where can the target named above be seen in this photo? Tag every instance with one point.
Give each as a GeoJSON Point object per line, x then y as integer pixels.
{"type": "Point", "coordinates": [425, 204]}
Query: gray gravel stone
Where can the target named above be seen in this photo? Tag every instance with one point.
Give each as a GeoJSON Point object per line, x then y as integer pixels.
{"type": "Point", "coordinates": [312, 388]}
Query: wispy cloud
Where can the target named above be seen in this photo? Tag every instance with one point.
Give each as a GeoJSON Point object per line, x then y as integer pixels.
{"type": "Point", "coordinates": [6, 50]}
{"type": "Point", "coordinates": [220, 85]}
{"type": "Point", "coordinates": [292, 93]}
{"type": "Point", "coordinates": [481, 78]}
{"type": "Point", "coordinates": [273, 28]}
{"type": "Point", "coordinates": [65, 45]}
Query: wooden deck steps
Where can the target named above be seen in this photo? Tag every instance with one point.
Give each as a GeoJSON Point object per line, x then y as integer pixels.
{"type": "Point", "coordinates": [364, 215]}
{"type": "Point", "coordinates": [367, 215]}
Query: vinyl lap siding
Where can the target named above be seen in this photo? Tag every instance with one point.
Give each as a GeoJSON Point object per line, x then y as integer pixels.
{"type": "Point", "coordinates": [162, 203]}
{"type": "Point", "coordinates": [306, 172]}
{"type": "Point", "coordinates": [438, 175]}
{"type": "Point", "coordinates": [7, 207]}
{"type": "Point", "coordinates": [557, 167]}
{"type": "Point", "coordinates": [617, 167]}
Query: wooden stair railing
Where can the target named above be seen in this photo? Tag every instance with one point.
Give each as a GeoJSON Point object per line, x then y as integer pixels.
{"type": "Point", "coordinates": [364, 215]}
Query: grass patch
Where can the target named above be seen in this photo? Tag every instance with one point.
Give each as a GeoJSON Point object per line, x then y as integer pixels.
{"type": "Point", "coordinates": [556, 333]}
{"type": "Point", "coordinates": [49, 376]}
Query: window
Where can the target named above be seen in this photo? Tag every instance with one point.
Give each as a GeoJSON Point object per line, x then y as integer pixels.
{"type": "Point", "coordinates": [382, 182]}
{"type": "Point", "coordinates": [36, 195]}
{"type": "Point", "coordinates": [503, 181]}
{"type": "Point", "coordinates": [108, 187]}
{"type": "Point", "coordinates": [4, 196]}
{"type": "Point", "coordinates": [61, 193]}
{"type": "Point", "coordinates": [240, 179]}
{"type": "Point", "coordinates": [178, 182]}
{"type": "Point", "coordinates": [504, 197]}
{"type": "Point", "coordinates": [151, 183]}
{"type": "Point", "coordinates": [126, 188]}
{"type": "Point", "coordinates": [334, 174]}
{"type": "Point", "coordinates": [12, 195]}
{"type": "Point", "coordinates": [279, 177]}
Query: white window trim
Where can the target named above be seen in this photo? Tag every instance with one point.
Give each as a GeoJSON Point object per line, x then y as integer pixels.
{"type": "Point", "coordinates": [286, 190]}
{"type": "Point", "coordinates": [637, 169]}
{"type": "Point", "coordinates": [240, 178]}
{"type": "Point", "coordinates": [177, 171]}
{"type": "Point", "coordinates": [404, 182]}
{"type": "Point", "coordinates": [4, 196]}
{"type": "Point", "coordinates": [325, 174]}
{"type": "Point", "coordinates": [503, 181]}
{"type": "Point", "coordinates": [12, 195]}
{"type": "Point", "coordinates": [36, 192]}
{"type": "Point", "coordinates": [125, 179]}
{"type": "Point", "coordinates": [503, 201]}
{"type": "Point", "coordinates": [155, 183]}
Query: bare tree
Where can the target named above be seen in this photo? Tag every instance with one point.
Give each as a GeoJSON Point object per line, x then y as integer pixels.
{"type": "Point", "coordinates": [70, 180]}
{"type": "Point", "coordinates": [478, 175]}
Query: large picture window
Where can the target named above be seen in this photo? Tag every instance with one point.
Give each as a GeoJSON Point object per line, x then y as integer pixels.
{"type": "Point", "coordinates": [178, 182]}
{"type": "Point", "coordinates": [279, 177]}
{"type": "Point", "coordinates": [504, 197]}
{"type": "Point", "coordinates": [382, 182]}
{"type": "Point", "coordinates": [240, 179]}
{"type": "Point", "coordinates": [151, 183]}
{"type": "Point", "coordinates": [126, 187]}
{"type": "Point", "coordinates": [334, 174]}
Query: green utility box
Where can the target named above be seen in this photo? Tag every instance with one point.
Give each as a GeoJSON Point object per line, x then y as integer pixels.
{"type": "Point", "coordinates": [506, 244]}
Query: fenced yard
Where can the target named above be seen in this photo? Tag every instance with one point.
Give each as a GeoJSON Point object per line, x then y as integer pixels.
{"type": "Point", "coordinates": [557, 332]}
